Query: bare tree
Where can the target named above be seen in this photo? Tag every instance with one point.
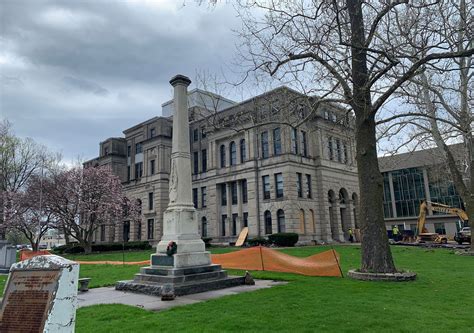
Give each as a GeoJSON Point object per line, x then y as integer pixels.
{"type": "Point", "coordinates": [20, 159]}
{"type": "Point", "coordinates": [344, 50]}
{"type": "Point", "coordinates": [439, 102]}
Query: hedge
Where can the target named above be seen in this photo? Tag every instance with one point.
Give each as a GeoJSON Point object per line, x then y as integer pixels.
{"type": "Point", "coordinates": [283, 239]}
{"type": "Point", "coordinates": [257, 241]}
{"type": "Point", "coordinates": [103, 247]}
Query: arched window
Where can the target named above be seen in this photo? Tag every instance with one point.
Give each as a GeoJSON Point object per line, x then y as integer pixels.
{"type": "Point", "coordinates": [268, 222]}
{"type": "Point", "coordinates": [233, 153]}
{"type": "Point", "coordinates": [204, 227]}
{"type": "Point", "coordinates": [342, 196]}
{"type": "Point", "coordinates": [243, 151]}
{"type": "Point", "coordinates": [281, 220]}
{"type": "Point", "coordinates": [222, 156]}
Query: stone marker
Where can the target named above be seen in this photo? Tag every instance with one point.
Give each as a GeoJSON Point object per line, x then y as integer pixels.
{"type": "Point", "coordinates": [188, 270]}
{"type": "Point", "coordinates": [40, 296]}
{"type": "Point", "coordinates": [7, 256]}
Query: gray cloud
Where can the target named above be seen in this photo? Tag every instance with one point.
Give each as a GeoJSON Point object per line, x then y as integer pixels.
{"type": "Point", "coordinates": [76, 72]}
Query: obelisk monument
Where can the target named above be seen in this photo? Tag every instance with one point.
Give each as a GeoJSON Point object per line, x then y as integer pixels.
{"type": "Point", "coordinates": [180, 224]}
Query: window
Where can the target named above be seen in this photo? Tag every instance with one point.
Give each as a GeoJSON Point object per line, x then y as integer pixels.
{"type": "Point", "coordinates": [129, 151]}
{"type": "Point", "coordinates": [150, 228]}
{"type": "Point", "coordinates": [268, 222]}
{"type": "Point", "coordinates": [222, 151]}
{"type": "Point", "coordinates": [152, 132]}
{"type": "Point", "coordinates": [299, 185]}
{"type": "Point", "coordinates": [126, 231]}
{"type": "Point", "coordinates": [264, 141]}
{"type": "Point", "coordinates": [128, 172]}
{"type": "Point", "coordinates": [330, 149]}
{"type": "Point", "coordinates": [294, 141]}
{"type": "Point", "coordinates": [138, 148]}
{"type": "Point", "coordinates": [204, 160]}
{"type": "Point", "coordinates": [233, 153]}
{"type": "Point", "coordinates": [279, 185]}
{"type": "Point", "coordinates": [345, 158]}
{"type": "Point", "coordinates": [277, 141]}
{"type": "Point", "coordinates": [281, 220]}
{"type": "Point", "coordinates": [223, 218]}
{"type": "Point", "coordinates": [195, 135]}
{"type": "Point", "coordinates": [326, 114]}
{"type": "Point", "coordinates": [196, 162]}
{"type": "Point", "coordinates": [152, 167]}
{"type": "Point", "coordinates": [203, 133]}
{"type": "Point", "coordinates": [308, 187]}
{"type": "Point", "coordinates": [339, 150]}
{"type": "Point", "coordinates": [150, 201]}
{"type": "Point", "coordinates": [204, 227]}
{"type": "Point", "coordinates": [102, 233]}
{"type": "Point", "coordinates": [203, 197]}
{"type": "Point", "coordinates": [195, 197]}
{"type": "Point", "coordinates": [223, 195]}
{"type": "Point", "coordinates": [233, 191]}
{"type": "Point", "coordinates": [266, 187]}
{"type": "Point", "coordinates": [246, 219]}
{"type": "Point", "coordinates": [333, 117]}
{"type": "Point", "coordinates": [304, 144]}
{"type": "Point", "coordinates": [243, 151]}
{"type": "Point", "coordinates": [138, 170]}
{"type": "Point", "coordinates": [244, 191]}
{"type": "Point", "coordinates": [234, 224]}
{"type": "Point", "coordinates": [106, 151]}
{"type": "Point", "coordinates": [139, 230]}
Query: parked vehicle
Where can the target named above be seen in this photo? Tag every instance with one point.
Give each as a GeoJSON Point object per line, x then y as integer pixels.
{"type": "Point", "coordinates": [464, 235]}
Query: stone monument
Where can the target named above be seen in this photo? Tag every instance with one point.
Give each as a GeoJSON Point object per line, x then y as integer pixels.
{"type": "Point", "coordinates": [7, 256]}
{"type": "Point", "coordinates": [40, 296]}
{"type": "Point", "coordinates": [189, 269]}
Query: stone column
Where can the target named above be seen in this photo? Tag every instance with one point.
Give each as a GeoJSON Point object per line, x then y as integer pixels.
{"type": "Point", "coordinates": [180, 223]}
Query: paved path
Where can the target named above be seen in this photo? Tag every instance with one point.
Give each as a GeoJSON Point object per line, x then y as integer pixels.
{"type": "Point", "coordinates": [108, 295]}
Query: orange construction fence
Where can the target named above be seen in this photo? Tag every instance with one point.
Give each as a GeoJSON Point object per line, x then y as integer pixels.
{"type": "Point", "coordinates": [264, 259]}
{"type": "Point", "coordinates": [253, 259]}
{"type": "Point", "coordinates": [28, 254]}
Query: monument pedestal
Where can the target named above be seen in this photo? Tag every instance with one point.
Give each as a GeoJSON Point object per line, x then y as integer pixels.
{"type": "Point", "coordinates": [7, 256]}
{"type": "Point", "coordinates": [189, 270]}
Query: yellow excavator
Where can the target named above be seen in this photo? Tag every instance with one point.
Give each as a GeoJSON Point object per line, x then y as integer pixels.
{"type": "Point", "coordinates": [424, 235]}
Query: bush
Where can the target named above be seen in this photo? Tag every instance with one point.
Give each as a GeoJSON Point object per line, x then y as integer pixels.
{"type": "Point", "coordinates": [284, 239]}
{"type": "Point", "coordinates": [207, 241]}
{"type": "Point", "coordinates": [103, 247]}
{"type": "Point", "coordinates": [257, 241]}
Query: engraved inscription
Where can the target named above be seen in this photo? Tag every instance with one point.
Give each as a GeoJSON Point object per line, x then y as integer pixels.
{"type": "Point", "coordinates": [27, 300]}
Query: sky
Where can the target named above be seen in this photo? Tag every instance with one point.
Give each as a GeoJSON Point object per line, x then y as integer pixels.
{"type": "Point", "coordinates": [74, 73]}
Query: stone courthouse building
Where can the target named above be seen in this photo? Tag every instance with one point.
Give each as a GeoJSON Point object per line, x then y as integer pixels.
{"type": "Point", "coordinates": [278, 162]}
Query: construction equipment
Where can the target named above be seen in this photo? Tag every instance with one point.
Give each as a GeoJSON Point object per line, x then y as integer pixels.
{"type": "Point", "coordinates": [424, 235]}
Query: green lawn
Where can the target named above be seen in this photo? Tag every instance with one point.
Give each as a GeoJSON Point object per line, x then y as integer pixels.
{"type": "Point", "coordinates": [439, 301]}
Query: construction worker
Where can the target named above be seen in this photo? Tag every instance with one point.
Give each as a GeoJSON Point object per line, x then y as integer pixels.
{"type": "Point", "coordinates": [351, 236]}
{"type": "Point", "coordinates": [395, 233]}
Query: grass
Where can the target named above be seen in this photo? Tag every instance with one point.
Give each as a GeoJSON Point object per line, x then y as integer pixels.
{"type": "Point", "coordinates": [439, 301]}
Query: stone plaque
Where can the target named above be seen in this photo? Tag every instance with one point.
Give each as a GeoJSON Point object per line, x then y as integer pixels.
{"type": "Point", "coordinates": [27, 300]}
{"type": "Point", "coordinates": [40, 296]}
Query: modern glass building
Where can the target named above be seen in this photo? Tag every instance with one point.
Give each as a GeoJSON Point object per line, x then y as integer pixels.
{"type": "Point", "coordinates": [411, 178]}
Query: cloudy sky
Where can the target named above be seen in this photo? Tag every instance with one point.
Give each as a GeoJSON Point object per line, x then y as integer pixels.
{"type": "Point", "coordinates": [73, 73]}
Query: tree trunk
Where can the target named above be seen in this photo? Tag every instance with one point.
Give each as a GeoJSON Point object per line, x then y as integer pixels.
{"type": "Point", "coordinates": [376, 254]}
{"type": "Point", "coordinates": [87, 248]}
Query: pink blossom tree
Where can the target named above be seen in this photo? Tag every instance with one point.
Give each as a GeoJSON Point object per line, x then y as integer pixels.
{"type": "Point", "coordinates": [85, 199]}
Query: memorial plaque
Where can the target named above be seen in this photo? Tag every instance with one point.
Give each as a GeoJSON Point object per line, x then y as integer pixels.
{"type": "Point", "coordinates": [27, 300]}
{"type": "Point", "coordinates": [40, 296]}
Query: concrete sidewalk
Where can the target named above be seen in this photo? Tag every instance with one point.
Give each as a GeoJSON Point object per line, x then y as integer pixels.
{"type": "Point", "coordinates": [108, 295]}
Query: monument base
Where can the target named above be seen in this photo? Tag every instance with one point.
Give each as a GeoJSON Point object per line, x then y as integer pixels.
{"type": "Point", "coordinates": [183, 281]}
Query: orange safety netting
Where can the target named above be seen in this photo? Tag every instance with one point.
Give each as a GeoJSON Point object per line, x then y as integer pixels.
{"type": "Point", "coordinates": [253, 259]}
{"type": "Point", "coordinates": [264, 259]}
{"type": "Point", "coordinates": [28, 254]}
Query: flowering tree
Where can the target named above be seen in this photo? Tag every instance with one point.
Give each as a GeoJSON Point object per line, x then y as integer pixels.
{"type": "Point", "coordinates": [85, 199]}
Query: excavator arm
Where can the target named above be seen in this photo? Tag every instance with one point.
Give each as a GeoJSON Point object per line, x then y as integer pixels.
{"type": "Point", "coordinates": [422, 219]}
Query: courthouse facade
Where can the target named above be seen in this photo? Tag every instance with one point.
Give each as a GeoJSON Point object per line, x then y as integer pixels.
{"type": "Point", "coordinates": [278, 162]}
